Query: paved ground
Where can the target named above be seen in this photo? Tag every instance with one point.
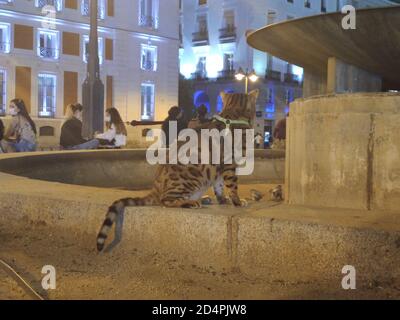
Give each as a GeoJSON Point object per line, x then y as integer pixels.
{"type": "Point", "coordinates": [83, 274]}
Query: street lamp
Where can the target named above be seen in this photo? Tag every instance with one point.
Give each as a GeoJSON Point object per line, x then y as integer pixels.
{"type": "Point", "coordinates": [252, 76]}
{"type": "Point", "coordinates": [93, 88]}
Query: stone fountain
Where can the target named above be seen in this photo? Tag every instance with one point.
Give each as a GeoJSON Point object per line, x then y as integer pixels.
{"type": "Point", "coordinates": [343, 148]}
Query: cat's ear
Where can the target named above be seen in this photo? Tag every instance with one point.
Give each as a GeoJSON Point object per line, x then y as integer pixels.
{"type": "Point", "coordinates": [254, 94]}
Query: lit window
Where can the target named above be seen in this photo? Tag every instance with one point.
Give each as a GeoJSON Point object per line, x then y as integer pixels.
{"type": "Point", "coordinates": [101, 8]}
{"type": "Point", "coordinates": [228, 61]}
{"type": "Point", "coordinates": [149, 58]}
{"type": "Point", "coordinates": [47, 84]}
{"type": "Point", "coordinates": [48, 44]}
{"type": "Point", "coordinates": [57, 4]}
{"type": "Point", "coordinates": [201, 65]}
{"type": "Point", "coordinates": [4, 38]}
{"type": "Point", "coordinates": [3, 92]}
{"type": "Point", "coordinates": [148, 13]}
{"type": "Point", "coordinates": [86, 49]}
{"type": "Point", "coordinates": [148, 97]}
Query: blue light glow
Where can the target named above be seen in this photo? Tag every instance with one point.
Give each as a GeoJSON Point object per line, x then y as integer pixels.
{"type": "Point", "coordinates": [200, 98]}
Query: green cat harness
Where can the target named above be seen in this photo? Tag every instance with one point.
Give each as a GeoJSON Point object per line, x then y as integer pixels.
{"type": "Point", "coordinates": [229, 122]}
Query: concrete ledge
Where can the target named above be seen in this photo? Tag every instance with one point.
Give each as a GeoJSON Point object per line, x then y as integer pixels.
{"type": "Point", "coordinates": [262, 240]}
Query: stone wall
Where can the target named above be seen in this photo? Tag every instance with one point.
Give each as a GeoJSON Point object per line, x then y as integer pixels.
{"type": "Point", "coordinates": [344, 151]}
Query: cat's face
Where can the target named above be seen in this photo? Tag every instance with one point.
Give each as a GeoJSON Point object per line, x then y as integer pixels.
{"type": "Point", "coordinates": [239, 105]}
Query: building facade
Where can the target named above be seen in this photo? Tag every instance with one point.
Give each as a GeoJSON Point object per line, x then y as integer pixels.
{"type": "Point", "coordinates": [213, 47]}
{"type": "Point", "coordinates": [43, 55]}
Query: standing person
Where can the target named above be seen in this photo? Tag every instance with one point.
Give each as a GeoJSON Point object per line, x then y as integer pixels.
{"type": "Point", "coordinates": [20, 135]}
{"type": "Point", "coordinates": [280, 134]}
{"type": "Point", "coordinates": [116, 133]}
{"type": "Point", "coordinates": [71, 131]}
{"type": "Point", "coordinates": [201, 118]}
{"type": "Point", "coordinates": [174, 114]}
{"type": "Point", "coordinates": [258, 139]}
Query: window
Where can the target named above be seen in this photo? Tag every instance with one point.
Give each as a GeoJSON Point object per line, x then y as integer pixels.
{"type": "Point", "coordinates": [57, 4]}
{"type": "Point", "coordinates": [148, 96]}
{"type": "Point", "coordinates": [228, 62]}
{"type": "Point", "coordinates": [202, 26]}
{"type": "Point", "coordinates": [4, 38]}
{"type": "Point", "coordinates": [86, 49]}
{"type": "Point", "coordinates": [229, 19]}
{"type": "Point", "coordinates": [148, 13]}
{"type": "Point", "coordinates": [101, 9]}
{"type": "Point", "coordinates": [3, 92]}
{"type": "Point", "coordinates": [149, 58]}
{"type": "Point", "coordinates": [201, 68]}
{"type": "Point", "coordinates": [48, 44]}
{"type": "Point", "coordinates": [47, 95]}
{"type": "Point", "coordinates": [307, 3]}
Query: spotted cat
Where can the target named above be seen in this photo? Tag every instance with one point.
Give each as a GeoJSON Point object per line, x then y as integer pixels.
{"type": "Point", "coordinates": [182, 186]}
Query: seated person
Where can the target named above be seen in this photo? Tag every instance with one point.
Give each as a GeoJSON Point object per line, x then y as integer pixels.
{"type": "Point", "coordinates": [201, 118]}
{"type": "Point", "coordinates": [20, 135]}
{"type": "Point", "coordinates": [115, 136]}
{"type": "Point", "coordinates": [71, 131]}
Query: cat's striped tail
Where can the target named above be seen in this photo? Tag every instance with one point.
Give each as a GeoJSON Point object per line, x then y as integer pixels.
{"type": "Point", "coordinates": [118, 208]}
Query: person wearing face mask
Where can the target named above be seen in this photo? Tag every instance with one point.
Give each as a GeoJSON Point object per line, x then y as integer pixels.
{"type": "Point", "coordinates": [115, 136]}
{"type": "Point", "coordinates": [71, 131]}
{"type": "Point", "coordinates": [20, 135]}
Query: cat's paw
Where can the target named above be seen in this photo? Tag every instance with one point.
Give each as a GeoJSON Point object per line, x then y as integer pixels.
{"type": "Point", "coordinates": [240, 202]}
{"type": "Point", "coordinates": [206, 201]}
{"type": "Point", "coordinates": [244, 203]}
{"type": "Point", "coordinates": [192, 205]}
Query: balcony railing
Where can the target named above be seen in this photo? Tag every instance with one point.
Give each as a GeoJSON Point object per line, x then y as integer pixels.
{"type": "Point", "coordinates": [200, 38]}
{"type": "Point", "coordinates": [4, 47]}
{"type": "Point", "coordinates": [50, 53]}
{"type": "Point", "coordinates": [226, 74]}
{"type": "Point", "coordinates": [101, 10]}
{"type": "Point", "coordinates": [292, 78]}
{"type": "Point", "coordinates": [54, 3]}
{"type": "Point", "coordinates": [227, 34]}
{"type": "Point", "coordinates": [148, 22]}
{"type": "Point", "coordinates": [273, 75]}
